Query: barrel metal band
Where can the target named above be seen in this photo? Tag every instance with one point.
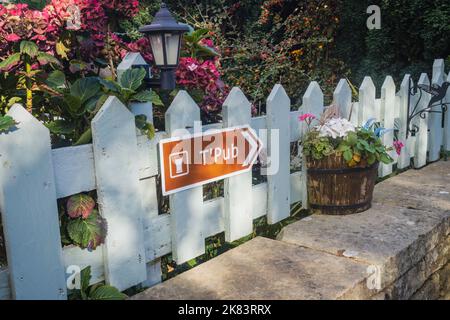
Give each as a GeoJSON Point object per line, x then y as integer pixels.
{"type": "Point", "coordinates": [348, 206]}
{"type": "Point", "coordinates": [341, 170]}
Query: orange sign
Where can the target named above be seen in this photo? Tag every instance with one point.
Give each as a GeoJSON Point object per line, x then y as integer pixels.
{"type": "Point", "coordinates": [193, 160]}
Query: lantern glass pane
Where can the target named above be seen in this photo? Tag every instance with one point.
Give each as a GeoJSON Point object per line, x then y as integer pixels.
{"type": "Point", "coordinates": [157, 49]}
{"type": "Point", "coordinates": [172, 47]}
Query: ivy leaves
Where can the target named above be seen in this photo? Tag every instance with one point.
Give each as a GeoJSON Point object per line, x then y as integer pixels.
{"type": "Point", "coordinates": [357, 147]}
{"type": "Point", "coordinates": [85, 228]}
{"type": "Point", "coordinates": [88, 233]}
{"type": "Point", "coordinates": [6, 123]}
{"type": "Point", "coordinates": [363, 145]}
{"type": "Point", "coordinates": [95, 292]}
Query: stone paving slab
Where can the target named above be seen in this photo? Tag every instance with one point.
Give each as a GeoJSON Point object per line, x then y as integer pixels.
{"type": "Point", "coordinates": [405, 235]}
{"type": "Point", "coordinates": [410, 216]}
{"type": "Point", "coordinates": [264, 269]}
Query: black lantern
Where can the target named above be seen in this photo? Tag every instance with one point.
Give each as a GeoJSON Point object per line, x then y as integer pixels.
{"type": "Point", "coordinates": [165, 35]}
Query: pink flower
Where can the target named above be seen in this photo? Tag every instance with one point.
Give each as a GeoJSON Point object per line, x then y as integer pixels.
{"type": "Point", "coordinates": [12, 37]}
{"type": "Point", "coordinates": [306, 116]}
{"type": "Point", "coordinates": [398, 145]}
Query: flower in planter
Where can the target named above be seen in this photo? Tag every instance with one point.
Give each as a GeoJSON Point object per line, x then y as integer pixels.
{"type": "Point", "coordinates": [336, 127]}
{"type": "Point", "coordinates": [306, 117]}
{"type": "Point", "coordinates": [398, 145]}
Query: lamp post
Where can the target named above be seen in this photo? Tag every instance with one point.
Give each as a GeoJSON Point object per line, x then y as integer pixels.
{"type": "Point", "coordinates": [165, 35]}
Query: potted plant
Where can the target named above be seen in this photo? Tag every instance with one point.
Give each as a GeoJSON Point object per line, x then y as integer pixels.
{"type": "Point", "coordinates": [342, 162]}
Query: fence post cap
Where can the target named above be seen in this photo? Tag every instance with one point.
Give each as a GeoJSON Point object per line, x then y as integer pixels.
{"type": "Point", "coordinates": [278, 92]}
{"type": "Point", "coordinates": [111, 107]}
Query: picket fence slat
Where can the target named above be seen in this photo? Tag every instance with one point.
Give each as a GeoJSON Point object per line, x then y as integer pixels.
{"type": "Point", "coordinates": [342, 97]}
{"type": "Point", "coordinates": [367, 106]}
{"type": "Point", "coordinates": [387, 110]}
{"type": "Point", "coordinates": [312, 103]}
{"type": "Point", "coordinates": [420, 155]}
{"type": "Point", "coordinates": [186, 207]}
{"type": "Point", "coordinates": [435, 118]}
{"type": "Point", "coordinates": [447, 119]}
{"type": "Point", "coordinates": [118, 192]}
{"type": "Point", "coordinates": [29, 210]}
{"type": "Point", "coordinates": [404, 158]}
{"type": "Point", "coordinates": [278, 182]}
{"type": "Point", "coordinates": [238, 189]}
{"type": "Point", "coordinates": [5, 292]}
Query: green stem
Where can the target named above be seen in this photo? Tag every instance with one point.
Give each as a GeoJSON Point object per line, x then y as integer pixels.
{"type": "Point", "coordinates": [29, 85]}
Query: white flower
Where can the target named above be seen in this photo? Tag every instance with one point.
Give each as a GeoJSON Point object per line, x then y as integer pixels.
{"type": "Point", "coordinates": [336, 127]}
{"type": "Point", "coordinates": [192, 67]}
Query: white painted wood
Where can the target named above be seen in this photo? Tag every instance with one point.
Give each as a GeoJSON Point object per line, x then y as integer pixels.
{"type": "Point", "coordinates": [5, 292]}
{"type": "Point", "coordinates": [312, 103]}
{"type": "Point", "coordinates": [278, 148]}
{"type": "Point", "coordinates": [297, 187]}
{"type": "Point", "coordinates": [420, 155]}
{"type": "Point", "coordinates": [75, 256]}
{"type": "Point", "coordinates": [150, 207]}
{"type": "Point", "coordinates": [157, 237]}
{"type": "Point", "coordinates": [404, 160]}
{"type": "Point", "coordinates": [186, 206]}
{"type": "Point", "coordinates": [238, 189]}
{"type": "Point", "coordinates": [154, 275]}
{"type": "Point", "coordinates": [387, 111]}
{"type": "Point", "coordinates": [29, 211]}
{"type": "Point", "coordinates": [367, 107]}
{"type": "Point", "coordinates": [355, 111]}
{"type": "Point", "coordinates": [447, 119]}
{"type": "Point", "coordinates": [435, 119]}
{"type": "Point", "coordinates": [131, 59]}
{"type": "Point", "coordinates": [74, 170]}
{"type": "Point", "coordinates": [118, 191]}
{"type": "Point", "coordinates": [342, 97]}
{"type": "Point", "coordinates": [259, 194]}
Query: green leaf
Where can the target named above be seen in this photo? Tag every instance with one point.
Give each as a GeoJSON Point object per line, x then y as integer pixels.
{"type": "Point", "coordinates": [343, 147]}
{"type": "Point", "coordinates": [56, 80]}
{"type": "Point", "coordinates": [87, 233]}
{"type": "Point", "coordinates": [140, 121]}
{"type": "Point", "coordinates": [205, 51]}
{"type": "Point", "coordinates": [110, 85]}
{"type": "Point", "coordinates": [60, 127]}
{"type": "Point", "coordinates": [6, 123]}
{"type": "Point", "coordinates": [13, 101]}
{"type": "Point", "coordinates": [85, 88]}
{"type": "Point", "coordinates": [85, 138]}
{"type": "Point", "coordinates": [132, 78]}
{"type": "Point", "coordinates": [348, 155]}
{"type": "Point", "coordinates": [85, 278]}
{"type": "Point", "coordinates": [10, 61]}
{"type": "Point", "coordinates": [29, 48]}
{"type": "Point", "coordinates": [80, 205]}
{"type": "Point", "coordinates": [352, 139]}
{"type": "Point", "coordinates": [386, 159]}
{"type": "Point", "coordinates": [143, 96]}
{"type": "Point", "coordinates": [45, 58]}
{"type": "Point", "coordinates": [106, 292]}
{"type": "Point", "coordinates": [192, 263]}
{"type": "Point", "coordinates": [371, 159]}
{"type": "Point", "coordinates": [73, 103]}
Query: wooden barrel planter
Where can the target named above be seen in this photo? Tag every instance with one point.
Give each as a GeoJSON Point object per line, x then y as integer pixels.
{"type": "Point", "coordinates": [334, 188]}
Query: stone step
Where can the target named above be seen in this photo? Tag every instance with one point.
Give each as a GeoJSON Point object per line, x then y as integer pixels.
{"type": "Point", "coordinates": [264, 269]}
{"type": "Point", "coordinates": [403, 239]}
{"type": "Point", "coordinates": [404, 236]}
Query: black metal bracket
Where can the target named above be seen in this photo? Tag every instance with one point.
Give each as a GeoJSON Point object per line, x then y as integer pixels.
{"type": "Point", "coordinates": [437, 100]}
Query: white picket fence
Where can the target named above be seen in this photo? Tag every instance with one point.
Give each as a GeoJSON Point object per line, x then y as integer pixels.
{"type": "Point", "coordinates": [122, 166]}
